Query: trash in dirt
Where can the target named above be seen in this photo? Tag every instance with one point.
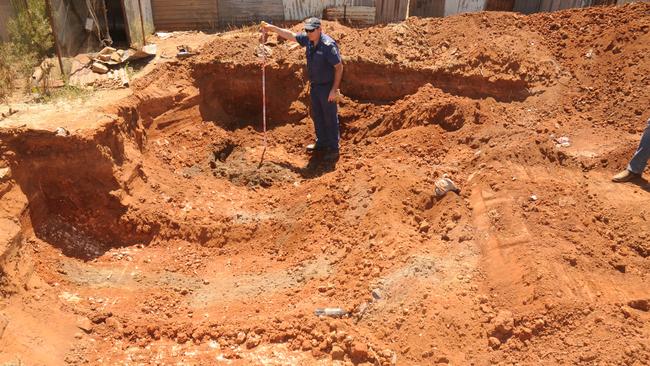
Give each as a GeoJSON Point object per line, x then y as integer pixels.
{"type": "Point", "coordinates": [563, 141]}
{"type": "Point", "coordinates": [163, 35]}
{"type": "Point", "coordinates": [184, 51]}
{"type": "Point", "coordinates": [62, 132]}
{"type": "Point", "coordinates": [376, 294]}
{"type": "Point", "coordinates": [589, 53]}
{"type": "Point", "coordinates": [8, 113]}
{"type": "Point", "coordinates": [69, 297]}
{"type": "Point", "coordinates": [444, 185]}
{"type": "Point", "coordinates": [99, 68]}
{"type": "Point", "coordinates": [533, 197]}
{"type": "Point", "coordinates": [4, 172]}
{"type": "Point", "coordinates": [113, 56]}
{"type": "Point", "coordinates": [331, 312]}
{"type": "Point", "coordinates": [263, 51]}
{"type": "Point", "coordinates": [146, 51]}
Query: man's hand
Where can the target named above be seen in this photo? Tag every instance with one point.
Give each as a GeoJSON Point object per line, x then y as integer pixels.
{"type": "Point", "coordinates": [284, 33]}
{"type": "Point", "coordinates": [333, 97]}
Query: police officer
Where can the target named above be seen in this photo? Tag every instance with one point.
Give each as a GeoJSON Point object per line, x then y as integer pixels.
{"type": "Point", "coordinates": [325, 71]}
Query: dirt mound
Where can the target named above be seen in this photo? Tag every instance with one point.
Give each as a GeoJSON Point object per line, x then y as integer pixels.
{"type": "Point", "coordinates": [173, 234]}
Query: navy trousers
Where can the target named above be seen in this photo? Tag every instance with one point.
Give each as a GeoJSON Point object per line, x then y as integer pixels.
{"type": "Point", "coordinates": [642, 154]}
{"type": "Point", "coordinates": [325, 117]}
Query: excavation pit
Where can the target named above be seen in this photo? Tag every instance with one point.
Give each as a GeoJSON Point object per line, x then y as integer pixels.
{"type": "Point", "coordinates": [170, 231]}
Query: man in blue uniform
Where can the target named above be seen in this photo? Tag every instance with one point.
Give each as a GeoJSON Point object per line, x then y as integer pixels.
{"type": "Point", "coordinates": [325, 70]}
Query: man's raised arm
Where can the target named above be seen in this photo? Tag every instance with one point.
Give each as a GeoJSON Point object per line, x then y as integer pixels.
{"type": "Point", "coordinates": [284, 33]}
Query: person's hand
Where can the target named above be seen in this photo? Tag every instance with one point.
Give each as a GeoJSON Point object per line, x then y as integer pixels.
{"type": "Point", "coordinates": [333, 96]}
{"type": "Point", "coordinates": [264, 26]}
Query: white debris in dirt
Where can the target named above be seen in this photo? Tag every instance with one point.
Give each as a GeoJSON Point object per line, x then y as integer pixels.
{"type": "Point", "coordinates": [62, 132]}
{"type": "Point", "coordinates": [69, 297]}
{"type": "Point", "coordinates": [5, 172]}
{"type": "Point", "coordinates": [533, 197]}
{"type": "Point", "coordinates": [563, 141]}
{"type": "Point", "coordinates": [444, 185]}
{"type": "Point", "coordinates": [163, 35]}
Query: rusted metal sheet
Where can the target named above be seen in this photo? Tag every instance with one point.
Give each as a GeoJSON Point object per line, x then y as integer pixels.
{"type": "Point", "coordinates": [139, 21]}
{"type": "Point", "coordinates": [359, 15]}
{"type": "Point", "coordinates": [68, 23]}
{"type": "Point", "coordinates": [500, 5]}
{"type": "Point", "coordinates": [238, 12]}
{"type": "Point", "coordinates": [172, 15]}
{"type": "Point", "coordinates": [527, 6]}
{"type": "Point", "coordinates": [390, 11]}
{"type": "Point", "coordinates": [463, 6]}
{"type": "Point", "coordinates": [554, 5]}
{"type": "Point", "coordinates": [6, 12]}
{"type": "Point", "coordinates": [302, 9]}
{"type": "Point", "coordinates": [147, 16]}
{"type": "Point", "coordinates": [427, 8]}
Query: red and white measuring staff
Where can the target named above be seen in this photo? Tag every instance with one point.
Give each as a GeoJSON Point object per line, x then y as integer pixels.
{"type": "Point", "coordinates": [263, 50]}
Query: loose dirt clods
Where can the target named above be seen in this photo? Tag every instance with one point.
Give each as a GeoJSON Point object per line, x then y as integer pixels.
{"type": "Point", "coordinates": [167, 235]}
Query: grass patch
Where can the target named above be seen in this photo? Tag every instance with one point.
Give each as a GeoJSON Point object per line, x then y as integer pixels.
{"type": "Point", "coordinates": [65, 93]}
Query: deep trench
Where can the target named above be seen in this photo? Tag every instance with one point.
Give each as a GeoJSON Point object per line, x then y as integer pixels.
{"type": "Point", "coordinates": [70, 182]}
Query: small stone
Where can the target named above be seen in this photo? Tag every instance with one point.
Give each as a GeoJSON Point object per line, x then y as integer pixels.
{"type": "Point", "coordinates": [99, 68]}
{"type": "Point", "coordinates": [100, 317]}
{"type": "Point", "coordinates": [253, 341]}
{"type": "Point", "coordinates": [337, 353]}
{"type": "Point", "coordinates": [588, 357]}
{"type": "Point", "coordinates": [494, 342]}
{"type": "Point", "coordinates": [503, 325]}
{"type": "Point", "coordinates": [181, 338]}
{"type": "Point", "coordinates": [626, 310]}
{"type": "Point", "coordinates": [640, 304]}
{"type": "Point", "coordinates": [442, 359]}
{"type": "Point", "coordinates": [376, 294]}
{"type": "Point", "coordinates": [306, 345]}
{"type": "Point", "coordinates": [424, 226]}
{"type": "Point", "coordinates": [619, 265]}
{"type": "Point", "coordinates": [84, 324]}
{"type": "Point", "coordinates": [572, 259]}
{"type": "Point", "coordinates": [241, 337]}
{"type": "Point", "coordinates": [359, 352]}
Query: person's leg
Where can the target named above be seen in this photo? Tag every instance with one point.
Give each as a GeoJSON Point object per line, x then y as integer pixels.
{"type": "Point", "coordinates": [317, 117]}
{"type": "Point", "coordinates": [642, 154]}
{"type": "Point", "coordinates": [639, 160]}
{"type": "Point", "coordinates": [330, 119]}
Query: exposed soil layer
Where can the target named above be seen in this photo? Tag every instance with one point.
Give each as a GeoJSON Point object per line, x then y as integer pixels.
{"type": "Point", "coordinates": [173, 235]}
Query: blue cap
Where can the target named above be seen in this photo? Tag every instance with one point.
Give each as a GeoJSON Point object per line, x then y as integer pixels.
{"type": "Point", "coordinates": [312, 23]}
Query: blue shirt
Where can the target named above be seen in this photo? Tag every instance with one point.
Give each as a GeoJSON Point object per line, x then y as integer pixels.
{"type": "Point", "coordinates": [321, 58]}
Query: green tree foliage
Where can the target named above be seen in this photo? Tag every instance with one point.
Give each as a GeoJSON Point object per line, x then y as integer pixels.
{"type": "Point", "coordinates": [30, 41]}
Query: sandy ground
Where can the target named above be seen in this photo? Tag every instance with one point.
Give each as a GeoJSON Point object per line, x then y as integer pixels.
{"type": "Point", "coordinates": [167, 234]}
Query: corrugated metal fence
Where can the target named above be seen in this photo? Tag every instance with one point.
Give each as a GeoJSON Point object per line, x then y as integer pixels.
{"type": "Point", "coordinates": [173, 15]}
{"type": "Point", "coordinates": [6, 12]}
